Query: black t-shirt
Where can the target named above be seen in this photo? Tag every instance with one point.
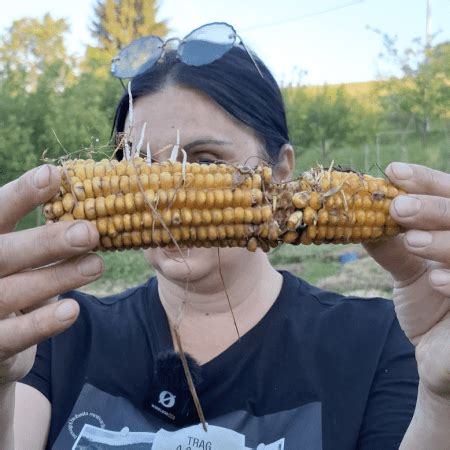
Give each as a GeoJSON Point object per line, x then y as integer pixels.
{"type": "Point", "coordinates": [319, 371]}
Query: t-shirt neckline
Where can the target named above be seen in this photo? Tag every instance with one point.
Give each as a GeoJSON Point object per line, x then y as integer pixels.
{"type": "Point", "coordinates": [162, 338]}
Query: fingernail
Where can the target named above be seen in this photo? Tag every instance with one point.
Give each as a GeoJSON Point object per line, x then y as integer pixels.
{"type": "Point", "coordinates": [406, 206]}
{"type": "Point", "coordinates": [418, 238]}
{"type": "Point", "coordinates": [402, 171]}
{"type": "Point", "coordinates": [78, 235]}
{"type": "Point", "coordinates": [440, 277]}
{"type": "Point", "coordinates": [90, 265]}
{"type": "Point", "coordinates": [65, 311]}
{"type": "Point", "coordinates": [41, 178]}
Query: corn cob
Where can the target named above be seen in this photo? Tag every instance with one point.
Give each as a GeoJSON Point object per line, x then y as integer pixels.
{"type": "Point", "coordinates": [136, 205]}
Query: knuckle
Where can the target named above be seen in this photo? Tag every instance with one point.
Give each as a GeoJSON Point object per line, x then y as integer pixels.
{"type": "Point", "coordinates": [6, 356]}
{"type": "Point", "coordinates": [443, 208]}
{"type": "Point", "coordinates": [22, 187]}
{"type": "Point", "coordinates": [22, 190]}
{"type": "Point", "coordinates": [430, 178]}
{"type": "Point", "coordinates": [6, 253]}
{"type": "Point", "coordinates": [45, 240]}
{"type": "Point", "coordinates": [39, 326]}
{"type": "Point", "coordinates": [5, 288]}
{"type": "Point", "coordinates": [58, 277]}
{"type": "Point", "coordinates": [94, 236]}
{"type": "Point", "coordinates": [8, 341]}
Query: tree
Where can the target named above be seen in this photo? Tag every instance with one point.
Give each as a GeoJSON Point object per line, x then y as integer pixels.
{"type": "Point", "coordinates": [16, 149]}
{"type": "Point", "coordinates": [30, 46]}
{"type": "Point", "coordinates": [34, 68]}
{"type": "Point", "coordinates": [116, 24]}
{"type": "Point", "coordinates": [83, 115]}
{"type": "Point", "coordinates": [40, 109]}
{"type": "Point", "coordinates": [421, 92]}
{"type": "Point", "coordinates": [327, 118]}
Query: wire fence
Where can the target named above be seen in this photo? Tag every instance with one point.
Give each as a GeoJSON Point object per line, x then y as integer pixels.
{"type": "Point", "coordinates": [388, 146]}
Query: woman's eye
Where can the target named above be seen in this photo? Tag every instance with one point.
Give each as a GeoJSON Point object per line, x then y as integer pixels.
{"type": "Point", "coordinates": [203, 159]}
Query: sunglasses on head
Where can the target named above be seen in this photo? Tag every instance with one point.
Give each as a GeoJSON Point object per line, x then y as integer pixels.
{"type": "Point", "coordinates": [201, 46]}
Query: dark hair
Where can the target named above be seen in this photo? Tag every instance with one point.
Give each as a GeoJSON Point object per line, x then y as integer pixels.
{"type": "Point", "coordinates": [233, 82]}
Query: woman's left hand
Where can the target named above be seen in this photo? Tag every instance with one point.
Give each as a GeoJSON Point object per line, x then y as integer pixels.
{"type": "Point", "coordinates": [419, 262]}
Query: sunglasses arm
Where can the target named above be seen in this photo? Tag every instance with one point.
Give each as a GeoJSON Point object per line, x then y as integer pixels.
{"type": "Point", "coordinates": [251, 56]}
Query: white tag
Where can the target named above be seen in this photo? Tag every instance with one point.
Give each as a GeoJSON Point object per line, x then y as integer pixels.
{"type": "Point", "coordinates": [279, 445]}
{"type": "Point", "coordinates": [90, 435]}
{"type": "Point", "coordinates": [195, 438]}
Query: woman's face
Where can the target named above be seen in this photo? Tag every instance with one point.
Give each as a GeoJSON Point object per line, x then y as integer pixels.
{"type": "Point", "coordinates": [206, 133]}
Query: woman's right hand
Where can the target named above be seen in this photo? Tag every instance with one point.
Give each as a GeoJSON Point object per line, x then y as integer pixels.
{"type": "Point", "coordinates": [35, 266]}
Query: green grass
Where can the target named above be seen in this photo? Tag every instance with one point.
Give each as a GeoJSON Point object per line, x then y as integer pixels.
{"type": "Point", "coordinates": [319, 265]}
{"type": "Point", "coordinates": [310, 262]}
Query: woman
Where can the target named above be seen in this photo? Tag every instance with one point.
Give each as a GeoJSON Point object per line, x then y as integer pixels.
{"type": "Point", "coordinates": [311, 369]}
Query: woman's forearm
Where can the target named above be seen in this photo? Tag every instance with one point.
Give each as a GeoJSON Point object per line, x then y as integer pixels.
{"type": "Point", "coordinates": [7, 400]}
{"type": "Point", "coordinates": [430, 425]}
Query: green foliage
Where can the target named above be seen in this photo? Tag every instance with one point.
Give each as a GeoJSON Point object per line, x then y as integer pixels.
{"type": "Point", "coordinates": [365, 93]}
{"type": "Point", "coordinates": [326, 119]}
{"type": "Point", "coordinates": [16, 148]}
{"type": "Point", "coordinates": [30, 46]}
{"type": "Point", "coordinates": [116, 24]}
{"type": "Point", "coordinates": [44, 110]}
{"type": "Point", "coordinates": [82, 117]}
{"type": "Point", "coordinates": [421, 94]}
{"type": "Point", "coordinates": [36, 69]}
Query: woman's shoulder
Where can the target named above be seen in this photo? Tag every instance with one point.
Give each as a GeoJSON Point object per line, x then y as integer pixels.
{"type": "Point", "coordinates": [341, 326]}
{"type": "Point", "coordinates": [126, 301]}
{"type": "Point", "coordinates": [299, 288]}
{"type": "Point", "coordinates": [335, 309]}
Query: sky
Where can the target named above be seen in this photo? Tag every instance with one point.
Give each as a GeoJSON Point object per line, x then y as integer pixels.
{"type": "Point", "coordinates": [328, 39]}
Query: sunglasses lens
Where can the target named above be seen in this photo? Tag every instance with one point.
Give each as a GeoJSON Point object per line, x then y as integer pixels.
{"type": "Point", "coordinates": [137, 57]}
{"type": "Point", "coordinates": [206, 44]}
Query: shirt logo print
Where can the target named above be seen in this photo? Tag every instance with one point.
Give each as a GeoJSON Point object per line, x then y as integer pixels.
{"type": "Point", "coordinates": [167, 399]}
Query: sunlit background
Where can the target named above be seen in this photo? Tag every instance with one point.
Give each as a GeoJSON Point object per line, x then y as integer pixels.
{"type": "Point", "coordinates": [365, 82]}
{"type": "Point", "coordinates": [329, 39]}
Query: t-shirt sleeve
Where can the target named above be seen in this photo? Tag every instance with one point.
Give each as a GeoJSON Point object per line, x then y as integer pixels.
{"type": "Point", "coordinates": [39, 376]}
{"type": "Point", "coordinates": [393, 395]}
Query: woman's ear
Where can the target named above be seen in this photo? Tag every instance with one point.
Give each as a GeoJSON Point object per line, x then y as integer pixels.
{"type": "Point", "coordinates": [285, 165]}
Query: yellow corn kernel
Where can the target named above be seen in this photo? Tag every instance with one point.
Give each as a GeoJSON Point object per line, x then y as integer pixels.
{"type": "Point", "coordinates": [315, 200]}
{"type": "Point", "coordinates": [295, 220]}
{"type": "Point", "coordinates": [289, 237]}
{"type": "Point", "coordinates": [89, 208]}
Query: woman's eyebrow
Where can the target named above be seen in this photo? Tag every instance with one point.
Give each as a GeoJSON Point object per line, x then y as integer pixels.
{"type": "Point", "coordinates": [199, 142]}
